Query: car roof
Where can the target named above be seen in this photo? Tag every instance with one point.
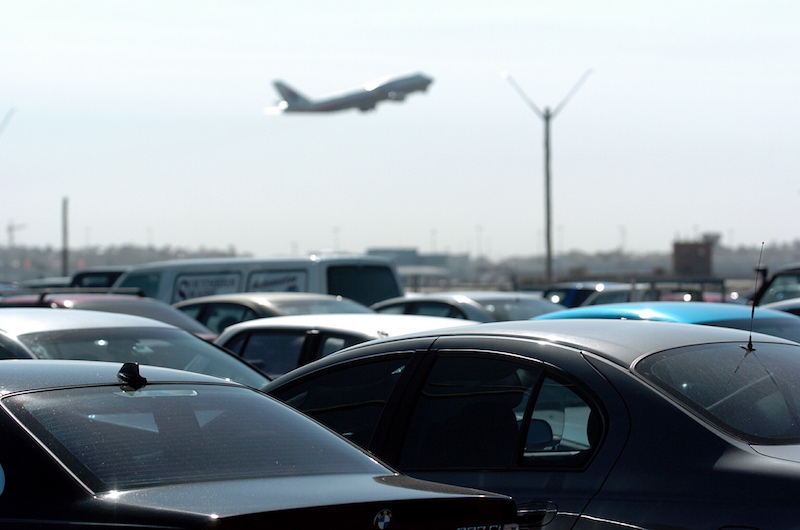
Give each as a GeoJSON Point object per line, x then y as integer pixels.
{"type": "Point", "coordinates": [368, 324]}
{"type": "Point", "coordinates": [588, 284]}
{"type": "Point", "coordinates": [20, 375]}
{"type": "Point", "coordinates": [15, 321]}
{"type": "Point", "coordinates": [262, 298]}
{"type": "Point", "coordinates": [474, 295]}
{"type": "Point", "coordinates": [668, 311]}
{"type": "Point", "coordinates": [619, 341]}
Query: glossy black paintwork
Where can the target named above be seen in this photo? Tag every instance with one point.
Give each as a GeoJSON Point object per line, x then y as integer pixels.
{"type": "Point", "coordinates": [39, 492]}
{"type": "Point", "coordinates": [658, 466]}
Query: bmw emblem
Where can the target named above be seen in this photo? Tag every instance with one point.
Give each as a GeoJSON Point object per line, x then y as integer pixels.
{"type": "Point", "coordinates": [383, 519]}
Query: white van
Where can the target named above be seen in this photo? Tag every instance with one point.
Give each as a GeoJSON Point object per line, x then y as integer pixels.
{"type": "Point", "coordinates": [365, 279]}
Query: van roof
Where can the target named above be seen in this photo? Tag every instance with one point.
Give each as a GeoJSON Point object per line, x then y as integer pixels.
{"type": "Point", "coordinates": [315, 258]}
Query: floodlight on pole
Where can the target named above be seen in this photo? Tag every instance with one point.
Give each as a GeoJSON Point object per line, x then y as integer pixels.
{"type": "Point", "coordinates": [547, 115]}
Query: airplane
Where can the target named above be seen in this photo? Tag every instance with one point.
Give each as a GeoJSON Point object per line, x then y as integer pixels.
{"type": "Point", "coordinates": [394, 88]}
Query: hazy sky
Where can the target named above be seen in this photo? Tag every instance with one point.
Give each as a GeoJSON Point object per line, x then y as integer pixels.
{"type": "Point", "coordinates": [148, 116]}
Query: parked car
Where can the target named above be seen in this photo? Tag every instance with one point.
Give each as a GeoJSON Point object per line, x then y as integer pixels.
{"type": "Point", "coordinates": [480, 306]}
{"type": "Point", "coordinates": [43, 333]}
{"type": "Point", "coordinates": [782, 285]}
{"type": "Point", "coordinates": [719, 314]}
{"type": "Point", "coordinates": [219, 311]}
{"type": "Point", "coordinates": [280, 344]}
{"type": "Point", "coordinates": [107, 445]}
{"type": "Point", "coordinates": [585, 423]}
{"type": "Point", "coordinates": [112, 303]}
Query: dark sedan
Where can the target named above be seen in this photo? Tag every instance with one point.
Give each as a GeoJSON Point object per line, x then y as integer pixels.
{"type": "Point", "coordinates": [588, 424]}
{"type": "Point", "coordinates": [105, 445]}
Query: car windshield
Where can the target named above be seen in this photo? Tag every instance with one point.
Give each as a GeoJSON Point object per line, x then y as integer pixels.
{"type": "Point", "coordinates": [172, 348]}
{"type": "Point", "coordinates": [751, 394]}
{"type": "Point", "coordinates": [113, 439]}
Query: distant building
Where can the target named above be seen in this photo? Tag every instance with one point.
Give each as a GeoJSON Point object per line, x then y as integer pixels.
{"type": "Point", "coordinates": [693, 259]}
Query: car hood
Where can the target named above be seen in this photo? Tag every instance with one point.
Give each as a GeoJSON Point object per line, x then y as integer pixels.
{"type": "Point", "coordinates": [223, 499]}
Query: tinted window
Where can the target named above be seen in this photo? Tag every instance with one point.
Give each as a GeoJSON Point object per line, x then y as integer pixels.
{"type": "Point", "coordinates": [754, 395]}
{"type": "Point", "coordinates": [167, 434]}
{"type": "Point", "coordinates": [218, 316]}
{"type": "Point", "coordinates": [349, 399]}
{"type": "Point", "coordinates": [782, 287]}
{"type": "Point", "coordinates": [333, 343]}
{"type": "Point", "coordinates": [468, 414]}
{"type": "Point", "coordinates": [273, 352]}
{"type": "Point", "coordinates": [487, 412]}
{"type": "Point", "coordinates": [563, 428]}
{"type": "Point", "coordinates": [147, 283]}
{"type": "Point", "coordinates": [365, 284]}
{"type": "Point", "coordinates": [437, 309]}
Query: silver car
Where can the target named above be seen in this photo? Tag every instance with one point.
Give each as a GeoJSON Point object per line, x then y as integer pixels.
{"type": "Point", "coordinates": [44, 333]}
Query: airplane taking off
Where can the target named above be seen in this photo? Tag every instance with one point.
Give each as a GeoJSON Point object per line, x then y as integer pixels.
{"type": "Point", "coordinates": [365, 98]}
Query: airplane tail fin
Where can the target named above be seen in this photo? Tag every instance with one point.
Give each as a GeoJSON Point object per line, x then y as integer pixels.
{"type": "Point", "coordinates": [292, 97]}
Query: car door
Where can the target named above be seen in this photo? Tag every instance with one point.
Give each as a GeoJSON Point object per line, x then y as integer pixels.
{"type": "Point", "coordinates": [532, 421]}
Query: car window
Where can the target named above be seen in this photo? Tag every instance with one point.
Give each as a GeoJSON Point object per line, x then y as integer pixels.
{"type": "Point", "coordinates": [477, 412]}
{"type": "Point", "coordinates": [146, 282]}
{"type": "Point", "coordinates": [438, 309]}
{"type": "Point", "coordinates": [782, 287]}
{"type": "Point", "coordinates": [563, 428]}
{"type": "Point", "coordinates": [273, 352]}
{"type": "Point", "coordinates": [117, 439]}
{"type": "Point", "coordinates": [331, 343]}
{"type": "Point", "coordinates": [365, 284]}
{"type": "Point", "coordinates": [219, 316]}
{"type": "Point", "coordinates": [751, 393]}
{"type": "Point", "coordinates": [395, 309]}
{"type": "Point", "coordinates": [350, 398]}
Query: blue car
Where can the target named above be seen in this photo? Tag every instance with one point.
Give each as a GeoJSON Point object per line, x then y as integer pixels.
{"type": "Point", "coordinates": [737, 316]}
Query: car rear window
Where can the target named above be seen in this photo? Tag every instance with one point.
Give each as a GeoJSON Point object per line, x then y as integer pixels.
{"type": "Point", "coordinates": [751, 394]}
{"type": "Point", "coordinates": [172, 348]}
{"type": "Point", "coordinates": [177, 433]}
{"type": "Point", "coordinates": [365, 284]}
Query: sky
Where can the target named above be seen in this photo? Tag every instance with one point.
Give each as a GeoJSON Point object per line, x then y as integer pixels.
{"type": "Point", "coordinates": [147, 118]}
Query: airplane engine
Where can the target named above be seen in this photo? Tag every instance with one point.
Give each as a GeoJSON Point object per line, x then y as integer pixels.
{"type": "Point", "coordinates": [396, 96]}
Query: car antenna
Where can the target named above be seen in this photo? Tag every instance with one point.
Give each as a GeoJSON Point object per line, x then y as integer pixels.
{"type": "Point", "coordinates": [129, 377]}
{"type": "Point", "coordinates": [748, 349]}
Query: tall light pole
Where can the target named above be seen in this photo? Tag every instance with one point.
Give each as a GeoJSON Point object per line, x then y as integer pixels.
{"type": "Point", "coordinates": [546, 116]}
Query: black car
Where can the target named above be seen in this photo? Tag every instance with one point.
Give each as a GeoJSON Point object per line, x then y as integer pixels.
{"type": "Point", "coordinates": [104, 445]}
{"type": "Point", "coordinates": [588, 424]}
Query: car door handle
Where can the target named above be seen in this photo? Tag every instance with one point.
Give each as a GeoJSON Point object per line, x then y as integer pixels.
{"type": "Point", "coordinates": [536, 513]}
